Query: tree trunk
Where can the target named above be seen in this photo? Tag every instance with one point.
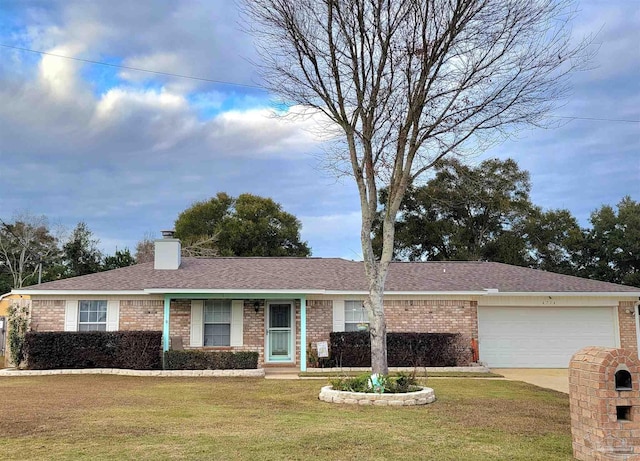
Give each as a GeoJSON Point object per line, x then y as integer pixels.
{"type": "Point", "coordinates": [376, 272]}
{"type": "Point", "coordinates": [377, 329]}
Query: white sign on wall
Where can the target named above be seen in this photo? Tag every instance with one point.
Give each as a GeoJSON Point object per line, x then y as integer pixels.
{"type": "Point", "coordinates": [323, 349]}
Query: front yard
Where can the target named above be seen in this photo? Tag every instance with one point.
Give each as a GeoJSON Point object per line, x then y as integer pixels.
{"type": "Point", "coordinates": [118, 417]}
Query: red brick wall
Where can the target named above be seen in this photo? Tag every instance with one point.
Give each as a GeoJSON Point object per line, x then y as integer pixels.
{"type": "Point", "coordinates": [627, 324]}
{"type": "Point", "coordinates": [180, 320]}
{"type": "Point", "coordinates": [597, 433]}
{"type": "Point", "coordinates": [47, 314]}
{"type": "Point", "coordinates": [141, 314]}
{"type": "Point", "coordinates": [428, 316]}
{"type": "Point", "coordinates": [421, 316]}
{"type": "Point", "coordinates": [253, 329]}
{"type": "Point", "coordinates": [319, 320]}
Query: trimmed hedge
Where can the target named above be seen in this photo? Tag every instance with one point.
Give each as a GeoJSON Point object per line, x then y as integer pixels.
{"type": "Point", "coordinates": [350, 348]}
{"type": "Point", "coordinates": [353, 349]}
{"type": "Point", "coordinates": [203, 360]}
{"type": "Point", "coordinates": [138, 350]}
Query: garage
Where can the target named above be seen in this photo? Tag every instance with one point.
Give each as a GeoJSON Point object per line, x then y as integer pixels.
{"type": "Point", "coordinates": [542, 337]}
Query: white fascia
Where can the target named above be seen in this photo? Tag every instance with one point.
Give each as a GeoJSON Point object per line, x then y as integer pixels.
{"type": "Point", "coordinates": [228, 291]}
{"type": "Point", "coordinates": [595, 294]}
{"type": "Point", "coordinates": [408, 293]}
{"type": "Point", "coordinates": [78, 292]}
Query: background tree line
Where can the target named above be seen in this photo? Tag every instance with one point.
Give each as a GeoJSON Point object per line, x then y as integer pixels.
{"type": "Point", "coordinates": [31, 251]}
{"type": "Point", "coordinates": [248, 225]}
{"type": "Point", "coordinates": [464, 213]}
{"type": "Point", "coordinates": [485, 213]}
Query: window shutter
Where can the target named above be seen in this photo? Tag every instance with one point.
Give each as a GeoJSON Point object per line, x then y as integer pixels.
{"type": "Point", "coordinates": [197, 323]}
{"type": "Point", "coordinates": [338, 315]}
{"type": "Point", "coordinates": [113, 315]}
{"type": "Point", "coordinates": [71, 316]}
{"type": "Point", "coordinates": [237, 313]}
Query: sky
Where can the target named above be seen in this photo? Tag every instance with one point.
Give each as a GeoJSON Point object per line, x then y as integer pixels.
{"type": "Point", "coordinates": [127, 151]}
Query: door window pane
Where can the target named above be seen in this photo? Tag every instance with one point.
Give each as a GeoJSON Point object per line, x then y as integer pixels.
{"type": "Point", "coordinates": [280, 316]}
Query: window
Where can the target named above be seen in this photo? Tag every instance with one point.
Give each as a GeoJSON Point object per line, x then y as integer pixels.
{"type": "Point", "coordinates": [93, 316]}
{"type": "Point", "coordinates": [355, 316]}
{"type": "Point", "coordinates": [217, 322]}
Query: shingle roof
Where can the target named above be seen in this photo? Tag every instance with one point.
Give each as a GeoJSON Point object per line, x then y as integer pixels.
{"type": "Point", "coordinates": [330, 274]}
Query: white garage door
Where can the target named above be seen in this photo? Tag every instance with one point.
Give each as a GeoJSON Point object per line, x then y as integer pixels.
{"type": "Point", "coordinates": [541, 337]}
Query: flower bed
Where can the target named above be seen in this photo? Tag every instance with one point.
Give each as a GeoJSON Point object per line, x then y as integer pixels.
{"type": "Point", "coordinates": [421, 397]}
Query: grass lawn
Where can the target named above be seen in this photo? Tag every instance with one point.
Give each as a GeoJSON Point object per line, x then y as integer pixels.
{"type": "Point", "coordinates": [102, 417]}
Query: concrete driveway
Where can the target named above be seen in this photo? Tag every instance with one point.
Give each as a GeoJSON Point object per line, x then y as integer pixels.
{"type": "Point", "coordinates": [550, 378]}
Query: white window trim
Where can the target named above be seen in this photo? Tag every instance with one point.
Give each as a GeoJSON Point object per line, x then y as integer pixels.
{"type": "Point", "coordinates": [360, 302]}
{"type": "Point", "coordinates": [72, 313]}
{"type": "Point", "coordinates": [205, 323]}
{"type": "Point", "coordinates": [197, 323]}
{"type": "Point", "coordinates": [102, 303]}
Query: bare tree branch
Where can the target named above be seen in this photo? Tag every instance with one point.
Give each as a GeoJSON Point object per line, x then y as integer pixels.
{"type": "Point", "coordinates": [410, 82]}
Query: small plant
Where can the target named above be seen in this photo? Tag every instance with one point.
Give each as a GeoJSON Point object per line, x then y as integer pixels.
{"type": "Point", "coordinates": [312, 357]}
{"type": "Point", "coordinates": [18, 327]}
{"type": "Point", "coordinates": [358, 383]}
{"type": "Point", "coordinates": [404, 382]}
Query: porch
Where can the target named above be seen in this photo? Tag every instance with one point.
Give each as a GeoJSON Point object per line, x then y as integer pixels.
{"type": "Point", "coordinates": [272, 324]}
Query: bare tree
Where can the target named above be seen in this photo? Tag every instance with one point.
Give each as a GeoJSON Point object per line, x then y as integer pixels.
{"type": "Point", "coordinates": [25, 245]}
{"type": "Point", "coordinates": [145, 249]}
{"type": "Point", "coordinates": [410, 81]}
{"type": "Point", "coordinates": [200, 247]}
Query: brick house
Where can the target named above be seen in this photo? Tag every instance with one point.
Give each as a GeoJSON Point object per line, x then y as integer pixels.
{"type": "Point", "coordinates": [280, 306]}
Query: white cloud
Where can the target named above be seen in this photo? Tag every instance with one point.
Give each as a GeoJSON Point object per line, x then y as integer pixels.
{"type": "Point", "coordinates": [80, 142]}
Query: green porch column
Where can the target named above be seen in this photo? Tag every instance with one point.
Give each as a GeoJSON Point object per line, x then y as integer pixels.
{"type": "Point", "coordinates": [165, 324]}
{"type": "Point", "coordinates": [303, 333]}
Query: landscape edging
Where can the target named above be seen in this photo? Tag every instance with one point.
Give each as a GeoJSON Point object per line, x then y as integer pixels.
{"type": "Point", "coordinates": [424, 396]}
{"type": "Point", "coordinates": [254, 373]}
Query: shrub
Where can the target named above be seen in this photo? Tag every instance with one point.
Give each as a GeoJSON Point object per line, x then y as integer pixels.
{"type": "Point", "coordinates": [422, 349]}
{"type": "Point", "coordinates": [203, 360]}
{"type": "Point", "coordinates": [313, 361]}
{"type": "Point", "coordinates": [353, 349]}
{"type": "Point", "coordinates": [138, 350]}
{"type": "Point", "coordinates": [18, 324]}
{"type": "Point", "coordinates": [400, 384]}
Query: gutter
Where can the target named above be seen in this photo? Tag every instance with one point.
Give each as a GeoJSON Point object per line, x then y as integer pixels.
{"type": "Point", "coordinates": [299, 292]}
{"type": "Point", "coordinates": [78, 292]}
{"type": "Point", "coordinates": [597, 294]}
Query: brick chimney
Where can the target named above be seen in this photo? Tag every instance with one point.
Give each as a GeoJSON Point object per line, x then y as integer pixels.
{"type": "Point", "coordinates": [167, 252]}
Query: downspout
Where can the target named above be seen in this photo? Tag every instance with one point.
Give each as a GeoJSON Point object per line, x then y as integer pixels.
{"type": "Point", "coordinates": [303, 333]}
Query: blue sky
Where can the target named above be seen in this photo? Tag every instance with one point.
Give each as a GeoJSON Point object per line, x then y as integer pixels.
{"type": "Point", "coordinates": [126, 151]}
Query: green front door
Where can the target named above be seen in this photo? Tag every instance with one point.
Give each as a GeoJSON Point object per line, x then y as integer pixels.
{"type": "Point", "coordinates": [279, 332]}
